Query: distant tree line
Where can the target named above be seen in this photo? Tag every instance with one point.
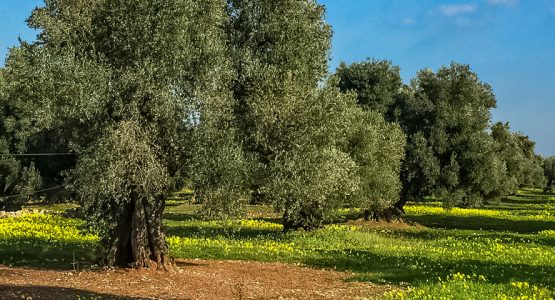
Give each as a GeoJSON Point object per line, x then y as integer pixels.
{"type": "Point", "coordinates": [234, 96]}
{"type": "Point", "coordinates": [453, 150]}
{"type": "Point", "coordinates": [549, 173]}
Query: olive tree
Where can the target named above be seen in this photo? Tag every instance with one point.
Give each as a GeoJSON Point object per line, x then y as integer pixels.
{"type": "Point", "coordinates": [310, 173]}
{"type": "Point", "coordinates": [19, 179]}
{"type": "Point", "coordinates": [450, 154]}
{"type": "Point", "coordinates": [378, 148]}
{"type": "Point", "coordinates": [517, 152]}
{"type": "Point", "coordinates": [279, 54]}
{"type": "Point", "coordinates": [549, 172]}
{"type": "Point", "coordinates": [297, 126]}
{"type": "Point", "coordinates": [377, 84]}
{"type": "Point", "coordinates": [126, 81]}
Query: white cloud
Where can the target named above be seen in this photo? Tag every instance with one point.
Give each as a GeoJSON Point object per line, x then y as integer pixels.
{"type": "Point", "coordinates": [408, 21]}
{"type": "Point", "coordinates": [457, 9]}
{"type": "Point", "coordinates": [503, 2]}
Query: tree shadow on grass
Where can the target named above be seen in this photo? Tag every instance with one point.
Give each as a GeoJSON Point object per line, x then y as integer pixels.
{"type": "Point", "coordinates": [481, 223]}
{"type": "Point", "coordinates": [278, 221]}
{"type": "Point", "coordinates": [478, 236]}
{"type": "Point", "coordinates": [173, 204]}
{"type": "Point", "coordinates": [344, 218]}
{"type": "Point", "coordinates": [215, 232]}
{"type": "Point", "coordinates": [380, 268]}
{"type": "Point", "coordinates": [49, 292]}
{"type": "Point", "coordinates": [181, 217]}
{"type": "Point", "coordinates": [526, 201]}
{"type": "Point", "coordinates": [535, 195]}
{"type": "Point", "coordinates": [37, 253]}
{"type": "Point", "coordinates": [512, 208]}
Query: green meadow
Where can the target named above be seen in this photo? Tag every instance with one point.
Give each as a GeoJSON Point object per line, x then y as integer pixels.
{"type": "Point", "coordinates": [500, 251]}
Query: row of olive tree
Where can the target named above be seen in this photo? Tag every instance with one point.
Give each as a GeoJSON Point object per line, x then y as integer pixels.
{"type": "Point", "coordinates": [230, 94]}
{"type": "Point", "coordinates": [310, 148]}
{"type": "Point", "coordinates": [453, 151]}
{"type": "Point", "coordinates": [549, 173]}
{"type": "Point", "coordinates": [234, 95]}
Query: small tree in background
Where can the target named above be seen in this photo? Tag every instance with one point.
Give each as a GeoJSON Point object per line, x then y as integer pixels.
{"type": "Point", "coordinates": [377, 84]}
{"type": "Point", "coordinates": [310, 173]}
{"type": "Point", "coordinates": [524, 168]}
{"type": "Point", "coordinates": [549, 173]}
{"type": "Point", "coordinates": [297, 129]}
{"type": "Point", "coordinates": [279, 54]}
{"type": "Point", "coordinates": [450, 154]}
{"type": "Point", "coordinates": [220, 169]}
{"type": "Point", "coordinates": [377, 147]}
{"type": "Point", "coordinates": [18, 179]}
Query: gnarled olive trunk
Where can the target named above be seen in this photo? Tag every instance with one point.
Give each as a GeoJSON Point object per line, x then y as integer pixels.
{"type": "Point", "coordinates": [138, 240]}
{"type": "Point", "coordinates": [305, 218]}
{"type": "Point", "coordinates": [389, 214]}
{"type": "Point", "coordinates": [400, 205]}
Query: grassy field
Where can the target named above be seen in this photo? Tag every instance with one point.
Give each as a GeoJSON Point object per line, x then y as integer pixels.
{"type": "Point", "coordinates": [503, 251]}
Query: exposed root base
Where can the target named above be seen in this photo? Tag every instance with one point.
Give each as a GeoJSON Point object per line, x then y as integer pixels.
{"type": "Point", "coordinates": [138, 240]}
{"type": "Point", "coordinates": [389, 215]}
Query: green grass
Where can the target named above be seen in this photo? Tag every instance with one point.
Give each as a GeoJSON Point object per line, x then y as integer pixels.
{"type": "Point", "coordinates": [499, 251]}
{"type": "Point", "coordinates": [46, 241]}
{"type": "Point", "coordinates": [56, 208]}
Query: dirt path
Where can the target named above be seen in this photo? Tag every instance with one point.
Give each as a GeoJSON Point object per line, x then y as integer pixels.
{"type": "Point", "coordinates": [193, 279]}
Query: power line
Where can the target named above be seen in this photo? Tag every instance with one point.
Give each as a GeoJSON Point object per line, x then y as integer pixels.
{"type": "Point", "coordinates": [35, 192]}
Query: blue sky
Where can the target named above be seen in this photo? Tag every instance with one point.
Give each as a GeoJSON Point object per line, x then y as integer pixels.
{"type": "Point", "coordinates": [509, 43]}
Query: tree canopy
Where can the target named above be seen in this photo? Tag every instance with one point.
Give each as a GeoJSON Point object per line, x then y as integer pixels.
{"type": "Point", "coordinates": [451, 151]}
{"type": "Point", "coordinates": [123, 80]}
{"type": "Point", "coordinates": [446, 119]}
{"type": "Point", "coordinates": [377, 83]}
{"type": "Point", "coordinates": [19, 178]}
{"type": "Point", "coordinates": [234, 97]}
{"type": "Point", "coordinates": [524, 167]}
{"type": "Point", "coordinates": [549, 172]}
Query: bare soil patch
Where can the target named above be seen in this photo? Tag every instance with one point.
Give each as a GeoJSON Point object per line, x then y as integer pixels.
{"type": "Point", "coordinates": [192, 279]}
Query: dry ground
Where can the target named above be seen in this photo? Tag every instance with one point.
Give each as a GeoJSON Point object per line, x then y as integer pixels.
{"type": "Point", "coordinates": [192, 279]}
